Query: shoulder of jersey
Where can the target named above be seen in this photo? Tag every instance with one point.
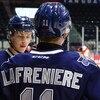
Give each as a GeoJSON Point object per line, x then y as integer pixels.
{"type": "Point", "coordinates": [22, 57]}
{"type": "Point", "coordinates": [72, 55]}
{"type": "Point", "coordinates": [81, 60]}
{"type": "Point", "coordinates": [88, 64]}
{"type": "Point", "coordinates": [3, 56]}
{"type": "Point", "coordinates": [3, 52]}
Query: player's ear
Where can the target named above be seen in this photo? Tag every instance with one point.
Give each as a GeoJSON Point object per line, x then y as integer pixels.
{"type": "Point", "coordinates": [65, 35]}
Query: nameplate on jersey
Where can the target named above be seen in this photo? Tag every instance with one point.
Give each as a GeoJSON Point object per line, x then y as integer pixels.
{"type": "Point", "coordinates": [50, 76]}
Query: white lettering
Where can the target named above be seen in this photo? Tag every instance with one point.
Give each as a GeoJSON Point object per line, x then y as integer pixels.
{"type": "Point", "coordinates": [27, 75]}
{"type": "Point", "coordinates": [36, 75]}
{"type": "Point", "coordinates": [6, 82]}
{"type": "Point", "coordinates": [75, 80]}
{"type": "Point", "coordinates": [11, 78]}
{"type": "Point", "coordinates": [52, 76]}
{"type": "Point", "coordinates": [58, 76]}
{"type": "Point", "coordinates": [46, 75]}
{"type": "Point", "coordinates": [18, 73]}
{"type": "Point", "coordinates": [67, 78]}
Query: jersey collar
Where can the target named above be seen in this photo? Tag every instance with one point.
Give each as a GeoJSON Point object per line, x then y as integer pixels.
{"type": "Point", "coordinates": [9, 52]}
{"type": "Point", "coordinates": [43, 46]}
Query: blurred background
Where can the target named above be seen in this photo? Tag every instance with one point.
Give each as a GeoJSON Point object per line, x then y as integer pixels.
{"type": "Point", "coordinates": [85, 20]}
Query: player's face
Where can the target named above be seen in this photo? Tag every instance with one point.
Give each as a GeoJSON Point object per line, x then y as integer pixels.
{"type": "Point", "coordinates": [20, 40]}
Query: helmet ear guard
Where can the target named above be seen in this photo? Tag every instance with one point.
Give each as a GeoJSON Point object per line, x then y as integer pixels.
{"type": "Point", "coordinates": [69, 26]}
{"type": "Point", "coordinates": [9, 33]}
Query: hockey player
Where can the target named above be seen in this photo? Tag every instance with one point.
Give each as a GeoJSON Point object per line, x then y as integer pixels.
{"type": "Point", "coordinates": [50, 73]}
{"type": "Point", "coordinates": [19, 36]}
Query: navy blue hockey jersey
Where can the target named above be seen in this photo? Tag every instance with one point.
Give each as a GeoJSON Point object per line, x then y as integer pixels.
{"type": "Point", "coordinates": [4, 55]}
{"type": "Point", "coordinates": [49, 75]}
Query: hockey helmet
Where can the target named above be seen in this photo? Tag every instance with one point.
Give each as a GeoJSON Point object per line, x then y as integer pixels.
{"type": "Point", "coordinates": [52, 19]}
{"type": "Point", "coordinates": [20, 23]}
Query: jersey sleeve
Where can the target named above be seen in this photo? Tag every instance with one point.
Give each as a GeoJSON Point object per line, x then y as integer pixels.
{"type": "Point", "coordinates": [2, 96]}
{"type": "Point", "coordinates": [93, 86]}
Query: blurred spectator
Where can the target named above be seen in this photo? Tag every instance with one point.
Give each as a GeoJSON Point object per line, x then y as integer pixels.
{"type": "Point", "coordinates": [84, 50]}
